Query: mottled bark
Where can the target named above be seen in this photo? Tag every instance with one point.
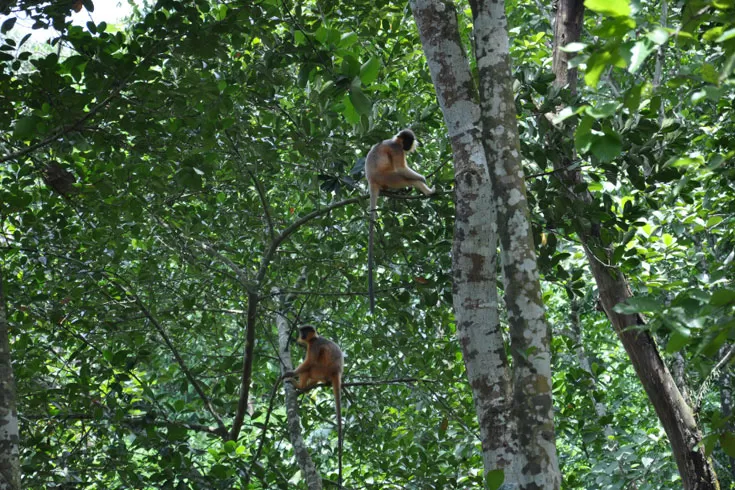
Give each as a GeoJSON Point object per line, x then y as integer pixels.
{"type": "Point", "coordinates": [678, 371]}
{"type": "Point", "coordinates": [293, 417]}
{"type": "Point", "coordinates": [673, 412]}
{"type": "Point", "coordinates": [473, 254]}
{"type": "Point", "coordinates": [530, 332]}
{"type": "Point", "coordinates": [9, 440]}
{"type": "Point", "coordinates": [725, 384]}
{"type": "Point", "coordinates": [567, 26]}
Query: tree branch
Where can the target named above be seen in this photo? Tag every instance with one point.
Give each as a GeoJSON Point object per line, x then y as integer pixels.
{"type": "Point", "coordinates": [247, 367]}
{"type": "Point", "coordinates": [179, 360]}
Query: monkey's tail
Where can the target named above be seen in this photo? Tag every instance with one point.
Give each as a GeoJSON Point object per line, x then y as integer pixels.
{"type": "Point", "coordinates": [371, 286]}
{"type": "Point", "coordinates": [338, 409]}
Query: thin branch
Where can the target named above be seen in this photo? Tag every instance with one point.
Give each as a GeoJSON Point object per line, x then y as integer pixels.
{"type": "Point", "coordinates": [264, 202]}
{"type": "Point", "coordinates": [258, 187]}
{"type": "Point", "coordinates": [174, 351]}
{"type": "Point", "coordinates": [144, 420]}
{"type": "Point", "coordinates": [712, 374]}
{"type": "Point", "coordinates": [372, 383]}
{"type": "Point", "coordinates": [274, 391]}
{"type": "Point", "coordinates": [63, 130]}
{"type": "Point", "coordinates": [295, 226]}
{"type": "Point", "coordinates": [247, 367]}
{"type": "Point", "coordinates": [97, 108]}
{"type": "Point", "coordinates": [569, 166]}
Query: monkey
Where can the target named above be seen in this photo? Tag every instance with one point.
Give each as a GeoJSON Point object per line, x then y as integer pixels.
{"type": "Point", "coordinates": [324, 361]}
{"type": "Point", "coordinates": [385, 168]}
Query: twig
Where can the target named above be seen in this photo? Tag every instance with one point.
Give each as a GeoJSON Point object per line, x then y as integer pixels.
{"type": "Point", "coordinates": [267, 420]}
{"type": "Point", "coordinates": [179, 360]}
{"type": "Point", "coordinates": [715, 371]}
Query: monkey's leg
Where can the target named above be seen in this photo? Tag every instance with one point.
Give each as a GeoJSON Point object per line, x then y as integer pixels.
{"type": "Point", "coordinates": [423, 188]}
{"type": "Point", "coordinates": [409, 174]}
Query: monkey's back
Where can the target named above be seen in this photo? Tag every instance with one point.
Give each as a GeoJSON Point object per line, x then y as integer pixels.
{"type": "Point", "coordinates": [328, 356]}
{"type": "Point", "coordinates": [382, 158]}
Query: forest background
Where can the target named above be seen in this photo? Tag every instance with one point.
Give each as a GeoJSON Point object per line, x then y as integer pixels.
{"type": "Point", "coordinates": [180, 190]}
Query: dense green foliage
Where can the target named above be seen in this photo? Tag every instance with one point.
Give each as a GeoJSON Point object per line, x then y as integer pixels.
{"type": "Point", "coordinates": [206, 130]}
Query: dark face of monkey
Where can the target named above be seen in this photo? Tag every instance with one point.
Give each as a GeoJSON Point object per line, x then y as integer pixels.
{"type": "Point", "coordinates": [408, 139]}
{"type": "Point", "coordinates": [305, 333]}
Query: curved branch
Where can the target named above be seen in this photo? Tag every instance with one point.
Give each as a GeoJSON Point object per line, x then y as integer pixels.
{"type": "Point", "coordinates": [247, 367]}
{"type": "Point", "coordinates": [295, 226]}
{"type": "Point", "coordinates": [179, 360]}
{"type": "Point", "coordinates": [63, 130]}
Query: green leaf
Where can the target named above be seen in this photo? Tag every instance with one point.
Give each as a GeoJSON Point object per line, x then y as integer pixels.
{"type": "Point", "coordinates": [613, 8]}
{"type": "Point", "coordinates": [639, 53]}
{"type": "Point", "coordinates": [602, 111]}
{"type": "Point", "coordinates": [658, 35]}
{"type": "Point", "coordinates": [727, 440]}
{"type": "Point", "coordinates": [677, 342]}
{"type": "Point", "coordinates": [349, 111]}
{"type": "Point", "coordinates": [722, 297]}
{"type": "Point", "coordinates": [638, 304]}
{"type": "Point", "coordinates": [728, 34]}
{"type": "Point", "coordinates": [8, 24]}
{"type": "Point", "coordinates": [633, 97]}
{"type": "Point", "coordinates": [597, 63]}
{"type": "Point", "coordinates": [219, 471]}
{"type": "Point", "coordinates": [347, 39]}
{"type": "Point", "coordinates": [583, 134]}
{"type": "Point", "coordinates": [494, 478]}
{"type": "Point", "coordinates": [369, 71]}
{"type": "Point", "coordinates": [607, 147]}
{"type": "Point", "coordinates": [360, 101]}
{"type": "Point", "coordinates": [573, 47]}
{"type": "Point", "coordinates": [321, 34]}
{"type": "Point", "coordinates": [230, 447]}
{"type": "Point", "coordinates": [25, 127]}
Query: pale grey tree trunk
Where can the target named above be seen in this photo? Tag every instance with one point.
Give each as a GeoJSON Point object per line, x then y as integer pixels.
{"type": "Point", "coordinates": [9, 439]}
{"type": "Point", "coordinates": [725, 383]}
{"type": "Point", "coordinates": [293, 417]}
{"type": "Point", "coordinates": [673, 412]}
{"type": "Point", "coordinates": [500, 408]}
{"type": "Point", "coordinates": [529, 330]}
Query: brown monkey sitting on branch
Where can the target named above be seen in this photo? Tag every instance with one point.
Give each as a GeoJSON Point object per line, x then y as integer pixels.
{"type": "Point", "coordinates": [324, 362]}
{"type": "Point", "coordinates": [385, 168]}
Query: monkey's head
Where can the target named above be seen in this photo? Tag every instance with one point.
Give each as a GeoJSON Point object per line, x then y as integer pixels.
{"type": "Point", "coordinates": [306, 333]}
{"type": "Point", "coordinates": [407, 140]}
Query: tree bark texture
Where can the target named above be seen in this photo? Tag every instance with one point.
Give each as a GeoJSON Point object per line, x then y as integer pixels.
{"type": "Point", "coordinates": [499, 409]}
{"type": "Point", "coordinates": [293, 417]}
{"type": "Point", "coordinates": [530, 332]}
{"type": "Point", "coordinates": [9, 436]}
{"type": "Point", "coordinates": [473, 252]}
{"type": "Point", "coordinates": [673, 412]}
{"type": "Point", "coordinates": [567, 26]}
{"type": "Point", "coordinates": [725, 383]}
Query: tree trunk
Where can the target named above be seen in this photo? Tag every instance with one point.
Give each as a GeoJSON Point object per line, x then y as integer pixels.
{"type": "Point", "coordinates": [9, 439]}
{"type": "Point", "coordinates": [725, 383]}
{"type": "Point", "coordinates": [474, 250]}
{"type": "Point", "coordinates": [673, 412]}
{"type": "Point", "coordinates": [530, 332]}
{"type": "Point", "coordinates": [567, 27]}
{"type": "Point", "coordinates": [516, 426]}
